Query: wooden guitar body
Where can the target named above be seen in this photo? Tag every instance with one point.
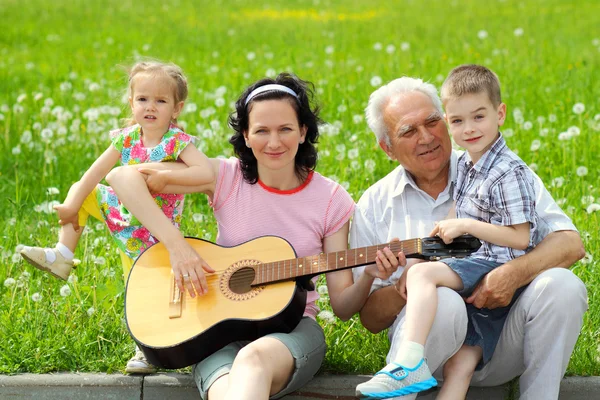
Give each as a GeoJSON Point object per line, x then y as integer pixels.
{"type": "Point", "coordinates": [208, 323]}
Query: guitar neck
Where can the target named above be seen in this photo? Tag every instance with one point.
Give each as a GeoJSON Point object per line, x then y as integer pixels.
{"type": "Point", "coordinates": [322, 263]}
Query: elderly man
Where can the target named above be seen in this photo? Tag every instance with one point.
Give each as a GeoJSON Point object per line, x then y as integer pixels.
{"type": "Point", "coordinates": [543, 324]}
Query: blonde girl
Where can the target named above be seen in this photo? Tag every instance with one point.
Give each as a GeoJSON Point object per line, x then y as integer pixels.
{"type": "Point", "coordinates": [156, 92]}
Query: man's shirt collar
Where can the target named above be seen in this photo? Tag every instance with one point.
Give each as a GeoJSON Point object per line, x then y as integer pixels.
{"type": "Point", "coordinates": [405, 178]}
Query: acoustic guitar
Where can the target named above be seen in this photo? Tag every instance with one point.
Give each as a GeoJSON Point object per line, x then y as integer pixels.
{"type": "Point", "coordinates": [259, 287]}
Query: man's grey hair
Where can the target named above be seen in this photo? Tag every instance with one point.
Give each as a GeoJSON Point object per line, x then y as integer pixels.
{"type": "Point", "coordinates": [379, 99]}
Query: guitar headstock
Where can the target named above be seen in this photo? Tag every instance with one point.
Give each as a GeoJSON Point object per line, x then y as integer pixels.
{"type": "Point", "coordinates": [434, 248]}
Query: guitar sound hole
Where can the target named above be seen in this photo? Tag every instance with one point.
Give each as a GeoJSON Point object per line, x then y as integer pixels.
{"type": "Point", "coordinates": [240, 280]}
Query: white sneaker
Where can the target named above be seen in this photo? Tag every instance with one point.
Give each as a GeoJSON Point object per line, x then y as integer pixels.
{"type": "Point", "coordinates": [36, 256]}
{"type": "Point", "coordinates": [139, 365]}
{"type": "Point", "coordinates": [396, 380]}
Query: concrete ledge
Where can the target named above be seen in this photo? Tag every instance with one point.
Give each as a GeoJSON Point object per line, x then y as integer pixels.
{"type": "Point", "coordinates": [182, 386]}
{"type": "Point", "coordinates": [170, 386]}
{"type": "Point", "coordinates": [62, 386]}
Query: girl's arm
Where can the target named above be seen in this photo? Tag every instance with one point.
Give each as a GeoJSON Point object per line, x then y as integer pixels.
{"type": "Point", "coordinates": [513, 236]}
{"type": "Point", "coordinates": [154, 174]}
{"type": "Point", "coordinates": [199, 172]}
{"type": "Point", "coordinates": [346, 296]}
{"type": "Point", "coordinates": [67, 211]}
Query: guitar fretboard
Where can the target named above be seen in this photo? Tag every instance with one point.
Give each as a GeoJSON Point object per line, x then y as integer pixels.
{"type": "Point", "coordinates": [323, 263]}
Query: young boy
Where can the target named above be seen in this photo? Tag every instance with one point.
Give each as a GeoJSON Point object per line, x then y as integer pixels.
{"type": "Point", "coordinates": [495, 202]}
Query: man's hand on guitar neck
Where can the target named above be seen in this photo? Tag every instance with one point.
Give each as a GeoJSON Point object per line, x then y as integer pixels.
{"type": "Point", "coordinates": [386, 263]}
{"type": "Point", "coordinates": [188, 268]}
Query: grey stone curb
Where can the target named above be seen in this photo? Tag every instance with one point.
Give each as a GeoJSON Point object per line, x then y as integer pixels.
{"type": "Point", "coordinates": [181, 386]}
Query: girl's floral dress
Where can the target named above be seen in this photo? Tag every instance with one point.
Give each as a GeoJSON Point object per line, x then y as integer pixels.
{"type": "Point", "coordinates": [131, 237]}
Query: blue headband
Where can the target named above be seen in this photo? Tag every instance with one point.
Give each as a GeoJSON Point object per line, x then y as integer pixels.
{"type": "Point", "coordinates": [265, 88]}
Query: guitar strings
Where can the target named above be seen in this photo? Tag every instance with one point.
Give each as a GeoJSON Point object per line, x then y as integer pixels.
{"type": "Point", "coordinates": [327, 264]}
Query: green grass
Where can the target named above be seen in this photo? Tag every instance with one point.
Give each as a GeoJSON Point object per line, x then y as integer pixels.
{"type": "Point", "coordinates": [60, 73]}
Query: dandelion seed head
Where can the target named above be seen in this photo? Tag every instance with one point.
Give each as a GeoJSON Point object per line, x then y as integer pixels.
{"type": "Point", "coordinates": [99, 260]}
{"type": "Point", "coordinates": [352, 154]}
{"type": "Point", "coordinates": [36, 297]}
{"type": "Point", "coordinates": [329, 49]}
{"type": "Point", "coordinates": [482, 34]}
{"type": "Point", "coordinates": [588, 258]}
{"type": "Point", "coordinates": [527, 125]}
{"type": "Point", "coordinates": [197, 218]}
{"type": "Point", "coordinates": [390, 48]}
{"type": "Point", "coordinates": [327, 316]}
{"type": "Point", "coordinates": [72, 279]}
{"type": "Point", "coordinates": [582, 171]}
{"type": "Point", "coordinates": [578, 108]}
{"type": "Point", "coordinates": [16, 258]}
{"type": "Point", "coordinates": [558, 182]}
{"type": "Point", "coordinates": [377, 46]}
{"type": "Point", "coordinates": [370, 165]}
{"type": "Point", "coordinates": [357, 118]}
{"type": "Point", "coordinates": [564, 136]}
{"type": "Point", "coordinates": [552, 117]}
{"type": "Point", "coordinates": [533, 166]}
{"type": "Point", "coordinates": [90, 311]}
{"type": "Point", "coordinates": [190, 107]}
{"type": "Point", "coordinates": [251, 56]}
{"type": "Point", "coordinates": [593, 208]}
{"type": "Point", "coordinates": [52, 191]}
{"type": "Point", "coordinates": [508, 133]}
{"type": "Point", "coordinates": [322, 289]}
{"type": "Point", "coordinates": [574, 131]}
{"type": "Point", "coordinates": [8, 282]}
{"type": "Point", "coordinates": [535, 145]}
{"type": "Point", "coordinates": [405, 46]}
{"type": "Point", "coordinates": [376, 81]}
{"type": "Point", "coordinates": [587, 200]}
{"type": "Point", "coordinates": [518, 32]}
{"type": "Point", "coordinates": [65, 291]}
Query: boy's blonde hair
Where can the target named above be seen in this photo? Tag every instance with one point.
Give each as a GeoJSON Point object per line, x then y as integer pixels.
{"type": "Point", "coordinates": [159, 69]}
{"type": "Point", "coordinates": [471, 79]}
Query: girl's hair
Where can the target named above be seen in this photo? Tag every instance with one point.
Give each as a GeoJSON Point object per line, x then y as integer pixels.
{"type": "Point", "coordinates": [157, 69]}
{"type": "Point", "coordinates": [306, 158]}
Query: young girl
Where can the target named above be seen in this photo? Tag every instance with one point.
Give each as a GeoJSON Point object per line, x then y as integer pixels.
{"type": "Point", "coordinates": [157, 92]}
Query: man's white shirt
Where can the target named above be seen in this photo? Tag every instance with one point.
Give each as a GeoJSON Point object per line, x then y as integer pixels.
{"type": "Point", "coordinates": [395, 207]}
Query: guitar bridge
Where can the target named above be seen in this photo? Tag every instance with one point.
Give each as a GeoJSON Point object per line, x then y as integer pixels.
{"type": "Point", "coordinates": [175, 299]}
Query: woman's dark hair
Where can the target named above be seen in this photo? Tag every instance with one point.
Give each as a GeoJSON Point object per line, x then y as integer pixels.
{"type": "Point", "coordinates": [306, 158]}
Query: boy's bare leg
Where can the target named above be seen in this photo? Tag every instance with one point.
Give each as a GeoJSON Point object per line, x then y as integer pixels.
{"type": "Point", "coordinates": [458, 372]}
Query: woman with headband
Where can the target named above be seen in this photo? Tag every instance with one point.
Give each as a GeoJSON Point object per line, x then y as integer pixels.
{"type": "Point", "coordinates": [270, 188]}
